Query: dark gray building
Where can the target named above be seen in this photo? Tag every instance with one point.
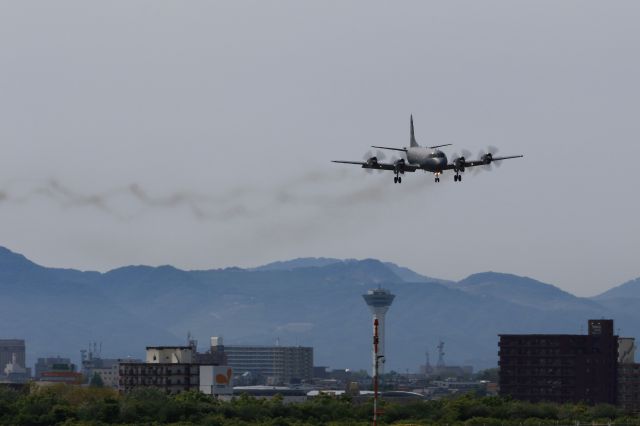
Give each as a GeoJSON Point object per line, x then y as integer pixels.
{"type": "Point", "coordinates": [561, 367]}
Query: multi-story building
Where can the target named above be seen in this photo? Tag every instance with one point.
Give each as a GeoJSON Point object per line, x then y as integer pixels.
{"type": "Point", "coordinates": [276, 364]}
{"type": "Point", "coordinates": [56, 363]}
{"type": "Point", "coordinates": [58, 370]}
{"type": "Point", "coordinates": [561, 367]}
{"type": "Point", "coordinates": [628, 376]}
{"type": "Point", "coordinates": [629, 387]}
{"type": "Point", "coordinates": [174, 369]}
{"type": "Point", "coordinates": [108, 369]}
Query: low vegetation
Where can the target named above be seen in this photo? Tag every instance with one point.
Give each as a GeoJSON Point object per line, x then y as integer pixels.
{"type": "Point", "coordinates": [69, 405]}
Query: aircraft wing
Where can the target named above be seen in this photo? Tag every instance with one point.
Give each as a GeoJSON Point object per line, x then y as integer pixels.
{"type": "Point", "coordinates": [375, 165]}
{"type": "Point", "coordinates": [481, 162]}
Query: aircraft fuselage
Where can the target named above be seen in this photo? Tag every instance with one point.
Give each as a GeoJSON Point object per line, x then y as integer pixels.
{"type": "Point", "coordinates": [431, 160]}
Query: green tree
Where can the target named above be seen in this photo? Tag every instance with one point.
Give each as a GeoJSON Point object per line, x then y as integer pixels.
{"type": "Point", "coordinates": [96, 381]}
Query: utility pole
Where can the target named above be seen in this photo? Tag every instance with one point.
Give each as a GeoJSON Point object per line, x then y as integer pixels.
{"type": "Point", "coordinates": [378, 359]}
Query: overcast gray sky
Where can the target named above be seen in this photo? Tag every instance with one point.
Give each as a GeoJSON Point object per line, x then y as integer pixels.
{"type": "Point", "coordinates": [200, 134]}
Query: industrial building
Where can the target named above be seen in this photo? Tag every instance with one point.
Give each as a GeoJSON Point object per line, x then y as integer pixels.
{"type": "Point", "coordinates": [57, 370]}
{"type": "Point", "coordinates": [272, 364]}
{"type": "Point", "coordinates": [52, 364]}
{"type": "Point", "coordinates": [561, 367]}
{"type": "Point", "coordinates": [175, 369]}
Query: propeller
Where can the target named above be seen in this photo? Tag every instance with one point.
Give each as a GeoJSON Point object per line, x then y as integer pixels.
{"type": "Point", "coordinates": [494, 150]}
{"type": "Point", "coordinates": [487, 155]}
{"type": "Point", "coordinates": [370, 156]}
{"type": "Point", "coordinates": [461, 159]}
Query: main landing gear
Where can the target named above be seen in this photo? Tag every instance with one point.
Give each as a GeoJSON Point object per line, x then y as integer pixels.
{"type": "Point", "coordinates": [457, 178]}
{"type": "Point", "coordinates": [397, 179]}
{"type": "Point", "coordinates": [437, 177]}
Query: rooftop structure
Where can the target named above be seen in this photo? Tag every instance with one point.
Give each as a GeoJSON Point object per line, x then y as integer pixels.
{"type": "Point", "coordinates": [379, 301]}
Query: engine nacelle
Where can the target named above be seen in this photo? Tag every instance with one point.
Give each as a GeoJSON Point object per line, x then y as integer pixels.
{"type": "Point", "coordinates": [373, 161]}
{"type": "Point", "coordinates": [487, 158]}
{"type": "Point", "coordinates": [460, 164]}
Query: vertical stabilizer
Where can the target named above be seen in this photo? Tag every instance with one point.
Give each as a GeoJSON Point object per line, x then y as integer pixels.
{"type": "Point", "coordinates": [413, 136]}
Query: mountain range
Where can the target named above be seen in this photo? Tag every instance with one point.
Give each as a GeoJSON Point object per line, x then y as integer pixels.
{"type": "Point", "coordinates": [308, 301]}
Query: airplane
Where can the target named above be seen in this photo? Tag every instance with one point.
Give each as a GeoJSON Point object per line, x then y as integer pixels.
{"type": "Point", "coordinates": [427, 158]}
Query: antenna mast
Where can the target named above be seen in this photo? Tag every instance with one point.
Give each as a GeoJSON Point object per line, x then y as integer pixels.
{"type": "Point", "coordinates": [440, 354]}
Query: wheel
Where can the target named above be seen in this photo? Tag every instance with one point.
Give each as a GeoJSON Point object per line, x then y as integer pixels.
{"type": "Point", "coordinates": [460, 178]}
{"type": "Point", "coordinates": [399, 179]}
{"type": "Point", "coordinates": [395, 179]}
{"type": "Point", "coordinates": [455, 178]}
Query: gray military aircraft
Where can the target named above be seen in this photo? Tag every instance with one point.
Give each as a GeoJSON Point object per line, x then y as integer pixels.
{"type": "Point", "coordinates": [427, 158]}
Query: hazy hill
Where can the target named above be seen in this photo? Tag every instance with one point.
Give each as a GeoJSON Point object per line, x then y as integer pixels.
{"type": "Point", "coordinates": [405, 274]}
{"type": "Point", "coordinates": [630, 289]}
{"type": "Point", "coordinates": [523, 291]}
{"type": "Point", "coordinates": [301, 262]}
{"type": "Point", "coordinates": [315, 302]}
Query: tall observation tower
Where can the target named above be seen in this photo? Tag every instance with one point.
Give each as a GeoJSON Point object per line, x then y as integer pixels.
{"type": "Point", "coordinates": [379, 301]}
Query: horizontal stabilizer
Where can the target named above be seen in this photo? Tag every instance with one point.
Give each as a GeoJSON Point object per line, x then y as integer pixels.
{"type": "Point", "coordinates": [392, 149]}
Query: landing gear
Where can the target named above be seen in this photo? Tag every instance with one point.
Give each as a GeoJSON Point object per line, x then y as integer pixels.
{"type": "Point", "coordinates": [437, 177]}
{"type": "Point", "coordinates": [457, 178]}
{"type": "Point", "coordinates": [397, 179]}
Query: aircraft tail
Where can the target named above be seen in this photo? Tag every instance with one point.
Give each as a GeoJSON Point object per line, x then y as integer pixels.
{"type": "Point", "coordinates": [413, 136]}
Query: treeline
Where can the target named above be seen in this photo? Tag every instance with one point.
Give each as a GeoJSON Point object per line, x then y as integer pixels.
{"type": "Point", "coordinates": [70, 405]}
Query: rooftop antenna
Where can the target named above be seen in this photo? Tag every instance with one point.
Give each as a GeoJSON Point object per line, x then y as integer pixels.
{"type": "Point", "coordinates": [440, 354]}
{"type": "Point", "coordinates": [427, 364]}
{"type": "Point", "coordinates": [191, 342]}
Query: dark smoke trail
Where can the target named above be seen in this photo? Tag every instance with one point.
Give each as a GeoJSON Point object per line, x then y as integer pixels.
{"type": "Point", "coordinates": [315, 189]}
